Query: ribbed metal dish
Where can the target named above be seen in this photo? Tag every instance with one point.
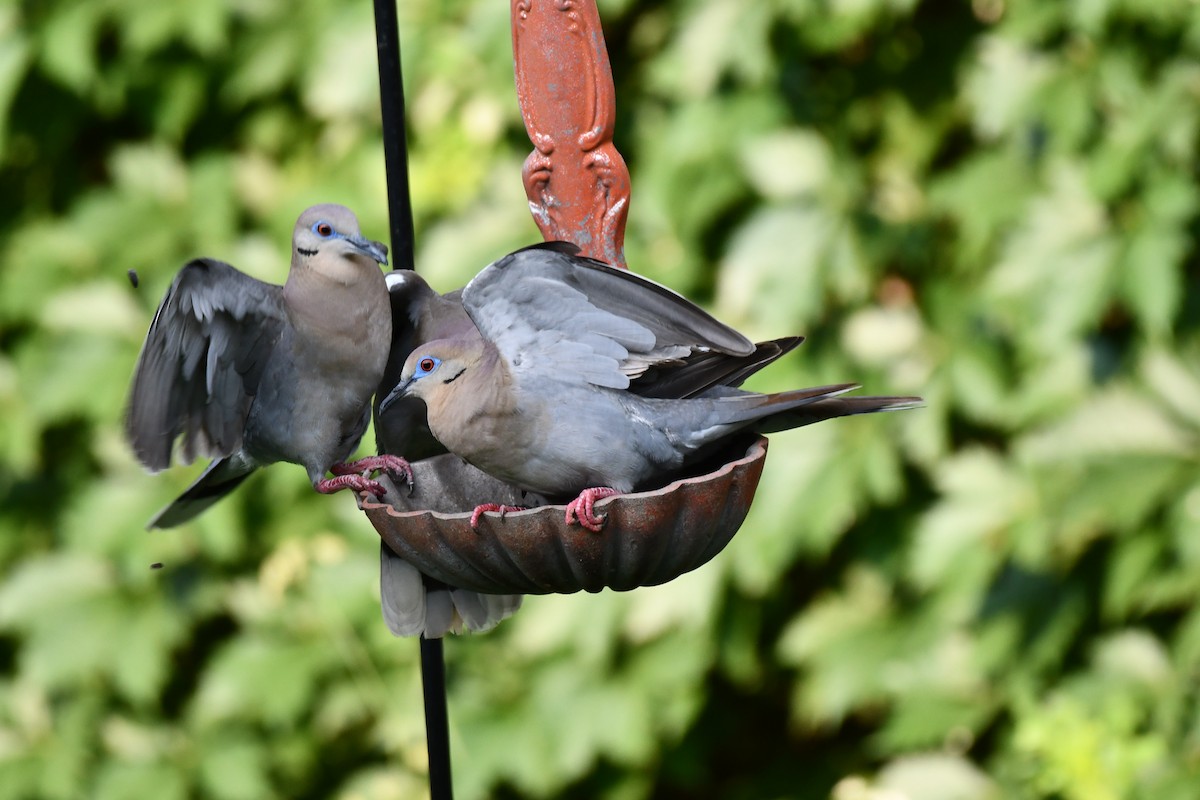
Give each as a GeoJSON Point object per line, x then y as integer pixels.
{"type": "Point", "coordinates": [650, 537]}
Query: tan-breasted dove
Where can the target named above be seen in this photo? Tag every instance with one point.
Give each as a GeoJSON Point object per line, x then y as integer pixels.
{"type": "Point", "coordinates": [412, 603]}
{"type": "Point", "coordinates": [546, 398]}
{"type": "Point", "coordinates": [249, 373]}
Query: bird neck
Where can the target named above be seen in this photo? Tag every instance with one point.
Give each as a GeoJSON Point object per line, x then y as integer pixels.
{"type": "Point", "coordinates": [332, 266]}
{"type": "Point", "coordinates": [326, 299]}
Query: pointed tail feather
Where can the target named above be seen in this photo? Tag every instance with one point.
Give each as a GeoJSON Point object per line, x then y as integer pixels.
{"type": "Point", "coordinates": [831, 407]}
{"type": "Point", "coordinates": [793, 409]}
{"type": "Point", "coordinates": [222, 477]}
{"type": "Point", "coordinates": [749, 409]}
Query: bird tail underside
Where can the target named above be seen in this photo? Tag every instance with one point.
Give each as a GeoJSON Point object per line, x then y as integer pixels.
{"type": "Point", "coordinates": [222, 477]}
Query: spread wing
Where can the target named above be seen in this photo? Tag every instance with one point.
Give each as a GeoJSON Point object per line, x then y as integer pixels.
{"type": "Point", "coordinates": [549, 310]}
{"type": "Point", "coordinates": [201, 363]}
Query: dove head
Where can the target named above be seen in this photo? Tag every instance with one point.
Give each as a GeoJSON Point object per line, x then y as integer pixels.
{"type": "Point", "coordinates": [327, 240]}
{"type": "Point", "coordinates": [437, 369]}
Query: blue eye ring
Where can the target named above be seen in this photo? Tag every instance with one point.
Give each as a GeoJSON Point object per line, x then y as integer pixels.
{"type": "Point", "coordinates": [323, 229]}
{"type": "Point", "coordinates": [426, 365]}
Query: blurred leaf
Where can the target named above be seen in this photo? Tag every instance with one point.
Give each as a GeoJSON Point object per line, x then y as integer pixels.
{"type": "Point", "coordinates": [982, 498]}
{"type": "Point", "coordinates": [1055, 274]}
{"type": "Point", "coordinates": [1115, 422]}
{"type": "Point", "coordinates": [1002, 85]}
{"type": "Point", "coordinates": [233, 769]}
{"type": "Point", "coordinates": [48, 585]}
{"type": "Point", "coordinates": [1175, 384]}
{"type": "Point", "coordinates": [14, 55]}
{"type": "Point", "coordinates": [937, 777]}
{"type": "Point", "coordinates": [256, 679]}
{"type": "Point", "coordinates": [1073, 745]}
{"type": "Point", "coordinates": [118, 781]}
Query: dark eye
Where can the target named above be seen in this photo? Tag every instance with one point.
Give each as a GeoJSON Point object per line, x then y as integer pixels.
{"type": "Point", "coordinates": [323, 229]}
{"type": "Point", "coordinates": [426, 365]}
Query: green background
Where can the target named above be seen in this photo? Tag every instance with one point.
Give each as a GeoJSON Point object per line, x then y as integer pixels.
{"type": "Point", "coordinates": [992, 204]}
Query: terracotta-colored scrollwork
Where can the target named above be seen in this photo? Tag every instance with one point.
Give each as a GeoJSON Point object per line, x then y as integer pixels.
{"type": "Point", "coordinates": [576, 181]}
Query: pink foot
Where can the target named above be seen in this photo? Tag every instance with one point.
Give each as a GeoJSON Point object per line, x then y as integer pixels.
{"type": "Point", "coordinates": [582, 508]}
{"type": "Point", "coordinates": [481, 510]}
{"type": "Point", "coordinates": [395, 466]}
{"type": "Point", "coordinates": [356, 482]}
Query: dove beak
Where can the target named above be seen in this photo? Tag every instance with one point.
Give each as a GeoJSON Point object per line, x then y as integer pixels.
{"type": "Point", "coordinates": [377, 251]}
{"type": "Point", "coordinates": [400, 390]}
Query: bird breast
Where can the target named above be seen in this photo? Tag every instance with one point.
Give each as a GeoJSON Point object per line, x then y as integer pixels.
{"type": "Point", "coordinates": [337, 345]}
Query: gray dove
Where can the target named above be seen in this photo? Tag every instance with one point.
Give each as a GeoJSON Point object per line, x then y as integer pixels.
{"type": "Point", "coordinates": [249, 373]}
{"type": "Point", "coordinates": [546, 397]}
{"type": "Point", "coordinates": [412, 603]}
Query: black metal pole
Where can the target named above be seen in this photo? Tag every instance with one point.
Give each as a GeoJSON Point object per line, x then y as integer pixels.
{"type": "Point", "coordinates": [395, 160]}
{"type": "Point", "coordinates": [395, 143]}
{"type": "Point", "coordinates": [437, 723]}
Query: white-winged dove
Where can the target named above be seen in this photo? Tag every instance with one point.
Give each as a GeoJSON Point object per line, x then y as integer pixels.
{"type": "Point", "coordinates": [588, 380]}
{"type": "Point", "coordinates": [249, 373]}
{"type": "Point", "coordinates": [412, 603]}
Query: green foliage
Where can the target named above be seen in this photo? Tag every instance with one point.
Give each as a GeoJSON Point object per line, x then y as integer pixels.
{"type": "Point", "coordinates": [991, 204]}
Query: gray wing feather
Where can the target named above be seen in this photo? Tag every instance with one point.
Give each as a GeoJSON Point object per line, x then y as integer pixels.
{"type": "Point", "coordinates": [547, 327]}
{"type": "Point", "coordinates": [554, 313]}
{"type": "Point", "coordinates": [693, 375]}
{"type": "Point", "coordinates": [673, 319]}
{"type": "Point", "coordinates": [201, 363]}
{"type": "Point", "coordinates": [222, 477]}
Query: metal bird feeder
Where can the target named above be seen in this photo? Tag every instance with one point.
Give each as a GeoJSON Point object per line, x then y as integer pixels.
{"type": "Point", "coordinates": [578, 190]}
{"type": "Point", "coordinates": [648, 538]}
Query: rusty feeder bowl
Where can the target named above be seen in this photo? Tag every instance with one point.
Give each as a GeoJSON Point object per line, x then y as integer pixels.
{"type": "Point", "coordinates": [649, 538]}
